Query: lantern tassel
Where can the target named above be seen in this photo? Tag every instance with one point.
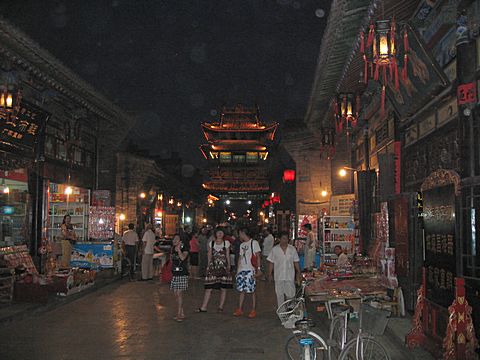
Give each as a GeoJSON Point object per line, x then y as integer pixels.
{"type": "Point", "coordinates": [362, 42]}
{"type": "Point", "coordinates": [376, 75]}
{"type": "Point", "coordinates": [357, 108]}
{"type": "Point", "coordinates": [384, 74]}
{"type": "Point", "coordinates": [382, 105]}
{"type": "Point", "coordinates": [371, 35]}
{"type": "Point", "coordinates": [365, 70]}
{"type": "Point", "coordinates": [395, 75]}
{"type": "Point", "coordinates": [404, 70]}
{"type": "Point", "coordinates": [405, 41]}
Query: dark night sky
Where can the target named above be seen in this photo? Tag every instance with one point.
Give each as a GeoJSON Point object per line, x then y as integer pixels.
{"type": "Point", "coordinates": [172, 63]}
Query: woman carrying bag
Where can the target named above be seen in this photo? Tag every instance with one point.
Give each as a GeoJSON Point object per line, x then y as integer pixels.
{"type": "Point", "coordinates": [179, 282]}
{"type": "Point", "coordinates": [218, 270]}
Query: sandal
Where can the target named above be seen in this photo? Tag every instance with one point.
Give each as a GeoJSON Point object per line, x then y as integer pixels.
{"type": "Point", "coordinates": [200, 310]}
{"type": "Point", "coordinates": [220, 310]}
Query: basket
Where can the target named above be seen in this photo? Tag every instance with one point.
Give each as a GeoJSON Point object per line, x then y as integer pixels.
{"type": "Point", "coordinates": [290, 311]}
{"type": "Point", "coordinates": [373, 321]}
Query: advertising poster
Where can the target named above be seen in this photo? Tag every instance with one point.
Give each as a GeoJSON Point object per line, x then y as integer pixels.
{"type": "Point", "coordinates": [92, 256]}
{"type": "Point", "coordinates": [342, 205]}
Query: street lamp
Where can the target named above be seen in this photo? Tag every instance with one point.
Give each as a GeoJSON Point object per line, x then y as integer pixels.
{"type": "Point", "coordinates": [143, 195]}
{"type": "Point", "coordinates": [324, 193]}
{"type": "Point", "coordinates": [343, 171]}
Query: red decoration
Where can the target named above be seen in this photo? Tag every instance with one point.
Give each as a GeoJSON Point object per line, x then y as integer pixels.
{"type": "Point", "coordinates": [288, 176]}
{"type": "Point", "coordinates": [379, 53]}
{"type": "Point", "coordinates": [467, 93]}
{"type": "Point", "coordinates": [460, 341]}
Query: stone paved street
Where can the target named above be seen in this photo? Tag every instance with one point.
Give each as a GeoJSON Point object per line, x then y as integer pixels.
{"type": "Point", "coordinates": [133, 320]}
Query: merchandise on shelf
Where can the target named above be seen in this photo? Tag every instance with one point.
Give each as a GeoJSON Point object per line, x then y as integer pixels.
{"type": "Point", "coordinates": [338, 230]}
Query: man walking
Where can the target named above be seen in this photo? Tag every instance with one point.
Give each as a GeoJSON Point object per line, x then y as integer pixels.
{"type": "Point", "coordinates": [284, 262]}
{"type": "Point", "coordinates": [130, 240]}
{"type": "Point", "coordinates": [148, 250]}
{"type": "Point", "coordinates": [268, 242]}
{"type": "Point", "coordinates": [246, 269]}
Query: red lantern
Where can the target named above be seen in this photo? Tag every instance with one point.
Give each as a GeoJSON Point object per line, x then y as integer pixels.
{"type": "Point", "coordinates": [379, 53]}
{"type": "Point", "coordinates": [288, 176]}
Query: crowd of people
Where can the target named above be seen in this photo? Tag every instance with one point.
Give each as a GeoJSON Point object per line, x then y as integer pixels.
{"type": "Point", "coordinates": [224, 258]}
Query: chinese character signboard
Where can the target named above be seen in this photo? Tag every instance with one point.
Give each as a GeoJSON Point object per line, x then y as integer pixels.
{"type": "Point", "coordinates": [467, 93]}
{"type": "Point", "coordinates": [440, 262]}
{"type": "Point", "coordinates": [24, 128]}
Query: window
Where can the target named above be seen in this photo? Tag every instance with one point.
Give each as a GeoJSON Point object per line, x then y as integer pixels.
{"type": "Point", "coordinates": [225, 157]}
{"type": "Point", "coordinates": [239, 158]}
{"type": "Point", "coordinates": [252, 157]}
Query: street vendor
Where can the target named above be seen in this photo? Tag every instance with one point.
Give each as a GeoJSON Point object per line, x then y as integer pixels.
{"type": "Point", "coordinates": [342, 258]}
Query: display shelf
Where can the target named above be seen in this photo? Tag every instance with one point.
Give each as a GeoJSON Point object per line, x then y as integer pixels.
{"type": "Point", "coordinates": [337, 230]}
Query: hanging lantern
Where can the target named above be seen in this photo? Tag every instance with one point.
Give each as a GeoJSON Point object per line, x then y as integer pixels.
{"type": "Point", "coordinates": [327, 145]}
{"type": "Point", "coordinates": [9, 102]}
{"type": "Point", "coordinates": [379, 53]}
{"type": "Point", "coordinates": [288, 176]}
{"type": "Point", "coordinates": [346, 112]}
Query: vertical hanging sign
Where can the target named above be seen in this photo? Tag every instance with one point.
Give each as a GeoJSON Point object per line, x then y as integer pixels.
{"type": "Point", "coordinates": [398, 166]}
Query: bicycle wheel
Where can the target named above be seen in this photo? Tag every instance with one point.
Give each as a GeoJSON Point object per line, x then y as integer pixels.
{"type": "Point", "coordinates": [295, 351]}
{"type": "Point", "coordinates": [368, 349]}
{"type": "Point", "coordinates": [337, 337]}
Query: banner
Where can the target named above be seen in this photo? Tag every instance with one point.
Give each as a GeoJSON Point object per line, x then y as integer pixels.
{"type": "Point", "coordinates": [92, 256]}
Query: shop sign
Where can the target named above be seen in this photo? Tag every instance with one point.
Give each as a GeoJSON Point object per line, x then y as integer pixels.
{"type": "Point", "coordinates": [440, 261]}
{"type": "Point", "coordinates": [447, 112]}
{"type": "Point", "coordinates": [23, 130]}
{"type": "Point", "coordinates": [467, 93]}
{"type": "Point", "coordinates": [342, 205]}
{"type": "Point", "coordinates": [101, 198]}
{"type": "Point", "coordinates": [92, 256]}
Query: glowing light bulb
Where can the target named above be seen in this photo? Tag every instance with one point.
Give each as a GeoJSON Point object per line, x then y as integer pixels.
{"type": "Point", "coordinates": [342, 172]}
{"type": "Point", "coordinates": [68, 190]}
{"type": "Point", "coordinates": [122, 217]}
{"type": "Point", "coordinates": [324, 193]}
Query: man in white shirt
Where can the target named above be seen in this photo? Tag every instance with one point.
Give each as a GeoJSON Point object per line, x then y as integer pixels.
{"type": "Point", "coordinates": [148, 250]}
{"type": "Point", "coordinates": [245, 279]}
{"type": "Point", "coordinates": [130, 240]}
{"type": "Point", "coordinates": [342, 259]}
{"type": "Point", "coordinates": [268, 242]}
{"type": "Point", "coordinates": [284, 262]}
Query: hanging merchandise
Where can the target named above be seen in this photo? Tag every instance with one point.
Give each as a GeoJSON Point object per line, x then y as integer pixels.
{"type": "Point", "coordinates": [379, 53]}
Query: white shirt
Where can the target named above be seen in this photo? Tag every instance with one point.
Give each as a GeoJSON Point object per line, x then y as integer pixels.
{"type": "Point", "coordinates": [130, 237]}
{"type": "Point", "coordinates": [220, 246]}
{"type": "Point", "coordinates": [342, 260]}
{"type": "Point", "coordinates": [283, 263]}
{"type": "Point", "coordinates": [268, 244]}
{"type": "Point", "coordinates": [149, 240]}
{"type": "Point", "coordinates": [245, 255]}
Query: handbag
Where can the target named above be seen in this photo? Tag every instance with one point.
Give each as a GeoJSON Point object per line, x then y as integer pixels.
{"type": "Point", "coordinates": [167, 274]}
{"type": "Point", "coordinates": [253, 259]}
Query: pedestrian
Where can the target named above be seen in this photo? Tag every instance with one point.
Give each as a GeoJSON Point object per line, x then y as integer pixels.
{"type": "Point", "coordinates": [342, 258]}
{"type": "Point", "coordinates": [130, 241]}
{"type": "Point", "coordinates": [148, 241]}
{"type": "Point", "coordinates": [247, 268]}
{"type": "Point", "coordinates": [194, 255]}
{"type": "Point", "coordinates": [310, 247]}
{"type": "Point", "coordinates": [69, 238]}
{"type": "Point", "coordinates": [268, 242]}
{"type": "Point", "coordinates": [179, 282]}
{"type": "Point", "coordinates": [218, 271]}
{"type": "Point", "coordinates": [284, 262]}
{"type": "Point", "coordinates": [202, 251]}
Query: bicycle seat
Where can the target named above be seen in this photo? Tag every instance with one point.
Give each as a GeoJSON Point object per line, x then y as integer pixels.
{"type": "Point", "coordinates": [341, 308]}
{"type": "Point", "coordinates": [305, 323]}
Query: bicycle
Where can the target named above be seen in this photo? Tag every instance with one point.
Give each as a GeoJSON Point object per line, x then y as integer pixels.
{"type": "Point", "coordinates": [304, 344]}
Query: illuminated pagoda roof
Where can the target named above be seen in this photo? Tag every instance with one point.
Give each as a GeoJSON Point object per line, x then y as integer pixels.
{"type": "Point", "coordinates": [239, 119]}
